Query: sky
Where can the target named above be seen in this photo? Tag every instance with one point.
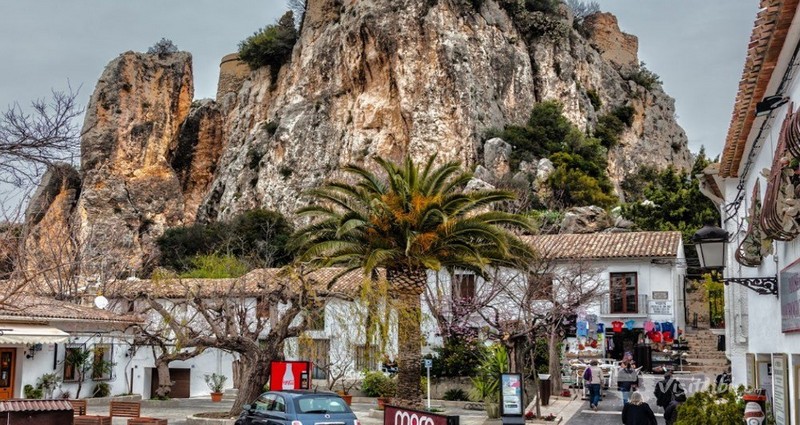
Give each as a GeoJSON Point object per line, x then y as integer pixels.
{"type": "Point", "coordinates": [696, 46]}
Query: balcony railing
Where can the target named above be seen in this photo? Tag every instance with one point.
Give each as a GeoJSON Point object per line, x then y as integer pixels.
{"type": "Point", "coordinates": [639, 309]}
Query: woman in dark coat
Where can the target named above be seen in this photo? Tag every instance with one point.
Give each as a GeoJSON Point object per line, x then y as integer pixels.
{"type": "Point", "coordinates": [637, 412]}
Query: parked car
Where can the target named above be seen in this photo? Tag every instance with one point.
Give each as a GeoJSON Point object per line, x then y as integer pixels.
{"type": "Point", "coordinates": [297, 407]}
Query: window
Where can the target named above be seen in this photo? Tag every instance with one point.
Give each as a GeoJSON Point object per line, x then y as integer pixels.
{"type": "Point", "coordinates": [74, 359]}
{"type": "Point", "coordinates": [320, 404]}
{"type": "Point", "coordinates": [463, 286]}
{"type": "Point", "coordinates": [624, 293]}
{"type": "Point", "coordinates": [366, 357]}
{"type": "Point", "coordinates": [264, 402]}
{"type": "Point", "coordinates": [102, 364]}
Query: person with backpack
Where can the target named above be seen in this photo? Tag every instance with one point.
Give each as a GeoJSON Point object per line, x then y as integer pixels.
{"type": "Point", "coordinates": [593, 379]}
{"type": "Point", "coordinates": [667, 390]}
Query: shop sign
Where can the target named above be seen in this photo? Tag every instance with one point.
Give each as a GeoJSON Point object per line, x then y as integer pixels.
{"type": "Point", "coordinates": [780, 378]}
{"type": "Point", "coordinates": [663, 308]}
{"type": "Point", "coordinates": [511, 392]}
{"type": "Point", "coordinates": [789, 287]}
{"type": "Point", "coordinates": [393, 415]}
{"type": "Point", "coordinates": [291, 375]}
{"type": "Point", "coordinates": [660, 295]}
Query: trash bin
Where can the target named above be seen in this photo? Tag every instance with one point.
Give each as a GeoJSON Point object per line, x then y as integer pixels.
{"type": "Point", "coordinates": [544, 389]}
{"type": "Point", "coordinates": [642, 355]}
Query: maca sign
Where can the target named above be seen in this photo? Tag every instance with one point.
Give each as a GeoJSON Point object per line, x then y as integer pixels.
{"type": "Point", "coordinates": [394, 415]}
{"type": "Point", "coordinates": [291, 375]}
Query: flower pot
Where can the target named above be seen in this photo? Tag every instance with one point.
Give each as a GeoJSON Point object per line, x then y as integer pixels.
{"type": "Point", "coordinates": [348, 398]}
{"type": "Point", "coordinates": [382, 402]}
{"type": "Point", "coordinates": [492, 410]}
{"type": "Point", "coordinates": [216, 397]}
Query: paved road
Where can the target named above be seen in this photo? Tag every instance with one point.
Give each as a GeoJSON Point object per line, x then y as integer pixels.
{"type": "Point", "coordinates": [610, 408]}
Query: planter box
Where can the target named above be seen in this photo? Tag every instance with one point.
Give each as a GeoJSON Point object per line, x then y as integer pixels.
{"type": "Point", "coordinates": [102, 401]}
{"type": "Point", "coordinates": [192, 420]}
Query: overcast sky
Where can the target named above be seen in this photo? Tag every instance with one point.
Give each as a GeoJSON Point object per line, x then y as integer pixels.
{"type": "Point", "coordinates": [696, 46]}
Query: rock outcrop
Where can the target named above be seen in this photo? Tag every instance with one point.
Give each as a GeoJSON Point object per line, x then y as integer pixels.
{"type": "Point", "coordinates": [616, 47]}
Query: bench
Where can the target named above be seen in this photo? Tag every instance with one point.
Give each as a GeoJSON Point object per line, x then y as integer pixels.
{"type": "Point", "coordinates": [78, 407]}
{"type": "Point", "coordinates": [91, 420]}
{"type": "Point", "coordinates": [127, 409]}
{"type": "Point", "coordinates": [147, 421]}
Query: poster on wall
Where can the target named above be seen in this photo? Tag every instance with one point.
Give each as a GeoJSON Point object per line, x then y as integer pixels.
{"type": "Point", "coordinates": [289, 375]}
{"type": "Point", "coordinates": [511, 394]}
{"type": "Point", "coordinates": [663, 308]}
{"type": "Point", "coordinates": [789, 289]}
{"type": "Point", "coordinates": [780, 378]}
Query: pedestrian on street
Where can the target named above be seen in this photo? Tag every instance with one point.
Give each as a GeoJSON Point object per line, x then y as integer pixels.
{"type": "Point", "coordinates": [637, 412]}
{"type": "Point", "coordinates": [593, 378]}
{"type": "Point", "coordinates": [667, 390]}
{"type": "Point", "coordinates": [627, 379]}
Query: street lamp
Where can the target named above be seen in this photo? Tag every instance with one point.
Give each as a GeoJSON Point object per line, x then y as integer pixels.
{"type": "Point", "coordinates": [711, 242]}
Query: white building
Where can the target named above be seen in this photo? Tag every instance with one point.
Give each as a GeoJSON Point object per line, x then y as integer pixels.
{"type": "Point", "coordinates": [762, 329]}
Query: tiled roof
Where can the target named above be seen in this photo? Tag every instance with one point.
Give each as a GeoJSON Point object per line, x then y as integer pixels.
{"type": "Point", "coordinates": [32, 307]}
{"type": "Point", "coordinates": [252, 283]}
{"type": "Point", "coordinates": [34, 405]}
{"type": "Point", "coordinates": [766, 42]}
{"type": "Point", "coordinates": [587, 246]}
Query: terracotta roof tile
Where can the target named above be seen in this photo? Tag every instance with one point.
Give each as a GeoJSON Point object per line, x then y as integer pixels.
{"type": "Point", "coordinates": [34, 405]}
{"type": "Point", "coordinates": [766, 42]}
{"type": "Point", "coordinates": [34, 307]}
{"type": "Point", "coordinates": [589, 246]}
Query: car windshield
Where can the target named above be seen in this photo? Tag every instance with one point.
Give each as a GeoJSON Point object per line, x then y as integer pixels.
{"type": "Point", "coordinates": [321, 404]}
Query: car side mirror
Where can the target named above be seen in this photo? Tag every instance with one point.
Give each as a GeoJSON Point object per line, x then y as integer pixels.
{"type": "Point", "coordinates": [247, 407]}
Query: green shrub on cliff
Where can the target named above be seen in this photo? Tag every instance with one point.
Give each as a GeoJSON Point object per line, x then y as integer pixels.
{"type": "Point", "coordinates": [272, 45]}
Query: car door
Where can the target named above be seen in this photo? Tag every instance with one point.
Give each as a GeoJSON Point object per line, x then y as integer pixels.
{"type": "Point", "coordinates": [276, 415]}
{"type": "Point", "coordinates": [260, 410]}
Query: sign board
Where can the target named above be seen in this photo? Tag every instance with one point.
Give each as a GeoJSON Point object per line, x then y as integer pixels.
{"type": "Point", "coordinates": [660, 295]}
{"type": "Point", "coordinates": [789, 288]}
{"type": "Point", "coordinates": [780, 385]}
{"type": "Point", "coordinates": [428, 363]}
{"type": "Point", "coordinates": [511, 394]}
{"type": "Point", "coordinates": [663, 308]}
{"type": "Point", "coordinates": [290, 375]}
{"type": "Point", "coordinates": [393, 415]}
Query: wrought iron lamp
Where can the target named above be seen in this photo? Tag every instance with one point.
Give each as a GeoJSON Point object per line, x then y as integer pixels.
{"type": "Point", "coordinates": [711, 242]}
{"type": "Point", "coordinates": [769, 103]}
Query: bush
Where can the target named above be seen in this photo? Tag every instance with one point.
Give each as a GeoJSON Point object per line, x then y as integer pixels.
{"type": "Point", "coordinates": [644, 77]}
{"type": "Point", "coordinates": [31, 392]}
{"type": "Point", "coordinates": [272, 45]}
{"type": "Point", "coordinates": [457, 357]}
{"type": "Point", "coordinates": [214, 266]}
{"type": "Point", "coordinates": [376, 384]}
{"type": "Point", "coordinates": [101, 389]}
{"type": "Point", "coordinates": [163, 48]}
{"type": "Point", "coordinates": [486, 382]}
{"type": "Point", "coordinates": [712, 407]}
{"type": "Point", "coordinates": [594, 98]}
{"type": "Point", "coordinates": [581, 10]}
{"type": "Point", "coordinates": [455, 394]}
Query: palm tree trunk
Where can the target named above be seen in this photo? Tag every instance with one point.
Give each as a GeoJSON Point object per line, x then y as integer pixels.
{"type": "Point", "coordinates": [406, 288]}
{"type": "Point", "coordinates": [554, 368]}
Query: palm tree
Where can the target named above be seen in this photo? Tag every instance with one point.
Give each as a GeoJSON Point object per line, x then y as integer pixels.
{"type": "Point", "coordinates": [406, 222]}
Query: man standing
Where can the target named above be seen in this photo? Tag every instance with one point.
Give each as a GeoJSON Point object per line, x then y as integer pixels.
{"type": "Point", "coordinates": [627, 378]}
{"type": "Point", "coordinates": [668, 390]}
{"type": "Point", "coordinates": [593, 378]}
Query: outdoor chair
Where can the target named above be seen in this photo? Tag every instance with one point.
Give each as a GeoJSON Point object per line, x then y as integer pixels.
{"type": "Point", "coordinates": [78, 407]}
{"type": "Point", "coordinates": [133, 410]}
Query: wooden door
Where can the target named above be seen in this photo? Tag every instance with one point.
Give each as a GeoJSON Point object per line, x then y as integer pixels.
{"type": "Point", "coordinates": [7, 362]}
{"type": "Point", "coordinates": [182, 383]}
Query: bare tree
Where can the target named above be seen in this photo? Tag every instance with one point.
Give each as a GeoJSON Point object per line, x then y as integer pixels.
{"type": "Point", "coordinates": [299, 8]}
{"type": "Point", "coordinates": [580, 9]}
{"type": "Point", "coordinates": [31, 141]}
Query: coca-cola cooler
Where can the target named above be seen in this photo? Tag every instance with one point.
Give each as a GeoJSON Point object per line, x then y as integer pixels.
{"type": "Point", "coordinates": [289, 375]}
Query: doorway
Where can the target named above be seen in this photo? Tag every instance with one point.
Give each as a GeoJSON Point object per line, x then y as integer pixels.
{"type": "Point", "coordinates": [7, 363]}
{"type": "Point", "coordinates": [182, 382]}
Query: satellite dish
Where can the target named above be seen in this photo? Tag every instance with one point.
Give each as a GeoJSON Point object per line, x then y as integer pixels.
{"type": "Point", "coordinates": [101, 302]}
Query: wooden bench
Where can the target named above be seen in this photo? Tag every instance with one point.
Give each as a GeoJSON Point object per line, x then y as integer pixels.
{"type": "Point", "coordinates": [91, 420]}
{"type": "Point", "coordinates": [127, 409]}
{"type": "Point", "coordinates": [78, 407]}
{"type": "Point", "coordinates": [147, 421]}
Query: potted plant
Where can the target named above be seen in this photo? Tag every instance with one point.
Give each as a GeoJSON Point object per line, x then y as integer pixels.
{"type": "Point", "coordinates": [215, 383]}
{"type": "Point", "coordinates": [376, 384]}
{"type": "Point", "coordinates": [48, 383]}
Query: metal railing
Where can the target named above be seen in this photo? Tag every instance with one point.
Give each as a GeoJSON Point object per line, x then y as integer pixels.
{"type": "Point", "coordinates": [639, 309]}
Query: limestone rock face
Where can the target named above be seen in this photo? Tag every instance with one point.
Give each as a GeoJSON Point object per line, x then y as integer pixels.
{"type": "Point", "coordinates": [616, 47]}
{"type": "Point", "coordinates": [385, 77]}
{"type": "Point", "coordinates": [589, 219]}
{"type": "Point", "coordinates": [130, 192]}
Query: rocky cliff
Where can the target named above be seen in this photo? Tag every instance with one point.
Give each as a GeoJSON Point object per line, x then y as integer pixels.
{"type": "Point", "coordinates": [384, 77]}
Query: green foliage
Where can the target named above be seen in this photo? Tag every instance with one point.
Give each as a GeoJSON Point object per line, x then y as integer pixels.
{"type": "Point", "coordinates": [455, 394]}
{"type": "Point", "coordinates": [215, 266]}
{"type": "Point", "coordinates": [486, 382]}
{"type": "Point", "coordinates": [256, 238]}
{"type": "Point", "coordinates": [610, 126]}
{"type": "Point", "coordinates": [457, 357]}
{"type": "Point", "coordinates": [101, 389]}
{"type": "Point", "coordinates": [594, 98]}
{"type": "Point", "coordinates": [376, 384]}
{"type": "Point", "coordinates": [542, 135]}
{"type": "Point", "coordinates": [33, 393]}
{"type": "Point", "coordinates": [163, 48]}
{"type": "Point", "coordinates": [215, 382]}
{"type": "Point", "coordinates": [546, 6]}
{"type": "Point", "coordinates": [712, 407]}
{"type": "Point", "coordinates": [546, 221]}
{"type": "Point", "coordinates": [674, 201]}
{"type": "Point", "coordinates": [272, 45]}
{"type": "Point", "coordinates": [572, 187]}
{"type": "Point", "coordinates": [644, 77]}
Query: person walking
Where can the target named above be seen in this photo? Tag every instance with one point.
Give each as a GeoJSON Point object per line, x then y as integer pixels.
{"type": "Point", "coordinates": [593, 378]}
{"type": "Point", "coordinates": [671, 412]}
{"type": "Point", "coordinates": [668, 390]}
{"type": "Point", "coordinates": [627, 378]}
{"type": "Point", "coordinates": [637, 412]}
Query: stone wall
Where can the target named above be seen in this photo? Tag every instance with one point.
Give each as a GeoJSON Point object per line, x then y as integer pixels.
{"type": "Point", "coordinates": [232, 73]}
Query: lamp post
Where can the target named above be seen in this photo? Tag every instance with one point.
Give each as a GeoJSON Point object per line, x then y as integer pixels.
{"type": "Point", "coordinates": [711, 242]}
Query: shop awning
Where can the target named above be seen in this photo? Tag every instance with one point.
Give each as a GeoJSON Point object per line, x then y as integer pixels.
{"type": "Point", "coordinates": [13, 333]}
